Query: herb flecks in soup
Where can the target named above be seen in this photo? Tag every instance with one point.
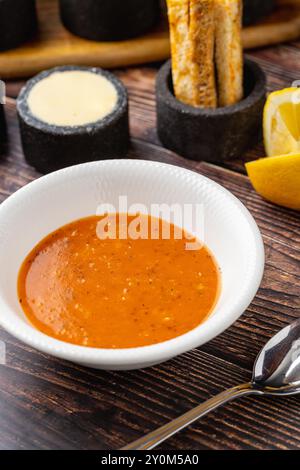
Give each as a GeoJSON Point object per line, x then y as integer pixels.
{"type": "Point", "coordinates": [118, 293]}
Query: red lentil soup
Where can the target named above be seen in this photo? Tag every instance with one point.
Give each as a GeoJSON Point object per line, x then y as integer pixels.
{"type": "Point", "coordinates": [116, 293]}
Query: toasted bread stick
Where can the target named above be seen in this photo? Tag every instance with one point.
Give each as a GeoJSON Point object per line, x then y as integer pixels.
{"type": "Point", "coordinates": [229, 52]}
{"type": "Point", "coordinates": [178, 13]}
{"type": "Point", "coordinates": [192, 50]}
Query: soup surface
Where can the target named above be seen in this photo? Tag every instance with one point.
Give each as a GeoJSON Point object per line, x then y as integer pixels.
{"type": "Point", "coordinates": [116, 293]}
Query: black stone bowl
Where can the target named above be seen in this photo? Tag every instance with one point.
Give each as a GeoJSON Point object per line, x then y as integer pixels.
{"type": "Point", "coordinates": [109, 20]}
{"type": "Point", "coordinates": [49, 147]}
{"type": "Point", "coordinates": [18, 22]}
{"type": "Point", "coordinates": [214, 135]}
{"type": "Point", "coordinates": [254, 10]}
{"type": "Point", "coordinates": [2, 127]}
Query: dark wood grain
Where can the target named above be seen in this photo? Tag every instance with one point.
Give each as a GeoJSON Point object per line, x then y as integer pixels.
{"type": "Point", "coordinates": [46, 403]}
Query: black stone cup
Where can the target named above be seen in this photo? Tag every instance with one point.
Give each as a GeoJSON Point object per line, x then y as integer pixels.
{"type": "Point", "coordinates": [18, 22]}
{"type": "Point", "coordinates": [214, 135]}
{"type": "Point", "coordinates": [3, 133]}
{"type": "Point", "coordinates": [109, 20]}
{"type": "Point", "coordinates": [49, 147]}
{"type": "Point", "coordinates": [254, 10]}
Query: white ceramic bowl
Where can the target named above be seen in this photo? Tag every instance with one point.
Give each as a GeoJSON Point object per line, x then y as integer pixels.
{"type": "Point", "coordinates": [58, 198]}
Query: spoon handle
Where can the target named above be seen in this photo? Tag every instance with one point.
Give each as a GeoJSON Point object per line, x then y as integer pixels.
{"type": "Point", "coordinates": [153, 439]}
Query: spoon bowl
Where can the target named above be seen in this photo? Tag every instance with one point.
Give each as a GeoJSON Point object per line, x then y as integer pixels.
{"type": "Point", "coordinates": [277, 367]}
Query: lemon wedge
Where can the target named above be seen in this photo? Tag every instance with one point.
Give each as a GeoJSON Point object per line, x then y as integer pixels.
{"type": "Point", "coordinates": [277, 179]}
{"type": "Point", "coordinates": [281, 122]}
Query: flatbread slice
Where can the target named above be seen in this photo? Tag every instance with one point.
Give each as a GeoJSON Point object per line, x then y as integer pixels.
{"type": "Point", "coordinates": [192, 29]}
{"type": "Point", "coordinates": [229, 52]}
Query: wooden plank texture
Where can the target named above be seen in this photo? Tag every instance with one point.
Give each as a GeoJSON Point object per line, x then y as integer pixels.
{"type": "Point", "coordinates": [46, 403]}
{"type": "Point", "coordinates": [54, 45]}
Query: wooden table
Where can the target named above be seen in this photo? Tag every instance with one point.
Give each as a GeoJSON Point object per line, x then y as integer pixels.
{"type": "Point", "coordinates": [46, 403]}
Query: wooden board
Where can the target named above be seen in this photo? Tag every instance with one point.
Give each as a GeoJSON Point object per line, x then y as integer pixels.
{"type": "Point", "coordinates": [47, 403]}
{"type": "Point", "coordinates": [56, 46]}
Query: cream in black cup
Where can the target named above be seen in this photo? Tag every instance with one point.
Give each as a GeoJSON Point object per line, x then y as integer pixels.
{"type": "Point", "coordinates": [70, 115]}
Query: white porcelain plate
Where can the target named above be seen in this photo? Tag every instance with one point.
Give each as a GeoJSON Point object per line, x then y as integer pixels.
{"type": "Point", "coordinates": [61, 197]}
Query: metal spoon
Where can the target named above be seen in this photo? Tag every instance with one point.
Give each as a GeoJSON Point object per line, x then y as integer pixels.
{"type": "Point", "coordinates": [276, 372]}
